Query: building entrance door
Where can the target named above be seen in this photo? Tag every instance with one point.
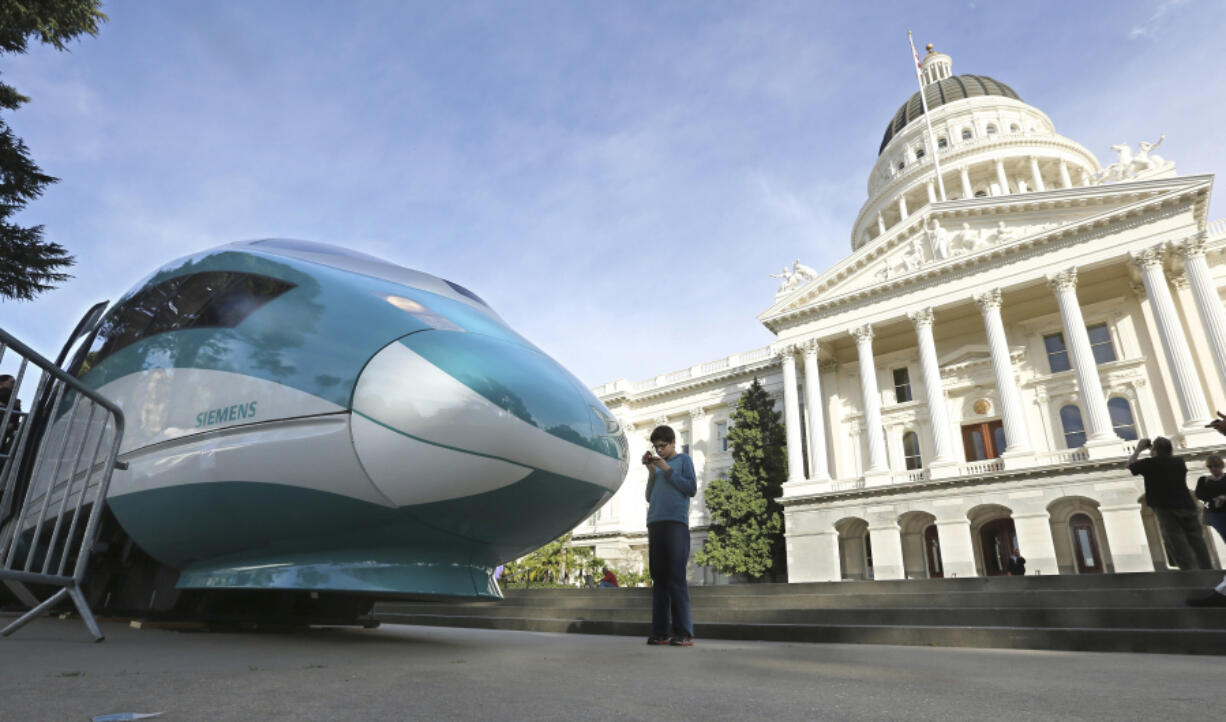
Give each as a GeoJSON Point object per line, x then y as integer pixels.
{"type": "Point", "coordinates": [932, 552]}
{"type": "Point", "coordinates": [983, 440]}
{"type": "Point", "coordinates": [1085, 546]}
{"type": "Point", "coordinates": [997, 539]}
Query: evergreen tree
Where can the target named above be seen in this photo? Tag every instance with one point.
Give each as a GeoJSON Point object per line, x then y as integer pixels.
{"type": "Point", "coordinates": [746, 535]}
{"type": "Point", "coordinates": [28, 264]}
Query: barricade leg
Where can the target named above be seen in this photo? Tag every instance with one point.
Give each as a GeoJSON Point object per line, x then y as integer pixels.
{"type": "Point", "coordinates": [78, 599]}
{"type": "Point", "coordinates": [25, 618]}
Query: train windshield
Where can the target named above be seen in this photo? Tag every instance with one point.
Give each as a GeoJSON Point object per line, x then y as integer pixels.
{"type": "Point", "coordinates": [212, 299]}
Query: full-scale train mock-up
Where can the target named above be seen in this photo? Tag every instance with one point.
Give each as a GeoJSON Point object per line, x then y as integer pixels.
{"type": "Point", "coordinates": [304, 422]}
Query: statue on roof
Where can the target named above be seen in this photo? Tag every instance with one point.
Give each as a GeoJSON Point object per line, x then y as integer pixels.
{"type": "Point", "coordinates": [1135, 167]}
{"type": "Point", "coordinates": [1143, 161]}
{"type": "Point", "coordinates": [795, 277]}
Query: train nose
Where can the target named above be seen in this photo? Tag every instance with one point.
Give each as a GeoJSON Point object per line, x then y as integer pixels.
{"type": "Point", "coordinates": [486, 438]}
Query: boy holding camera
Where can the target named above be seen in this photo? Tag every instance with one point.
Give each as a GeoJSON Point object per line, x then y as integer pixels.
{"type": "Point", "coordinates": [671, 484]}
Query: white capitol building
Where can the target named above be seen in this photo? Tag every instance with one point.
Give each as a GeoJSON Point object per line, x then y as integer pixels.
{"type": "Point", "coordinates": [974, 374]}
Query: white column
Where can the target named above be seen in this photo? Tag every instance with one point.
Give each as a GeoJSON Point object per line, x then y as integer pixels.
{"type": "Point", "coordinates": [1126, 535]}
{"type": "Point", "coordinates": [1034, 541]}
{"type": "Point", "coordinates": [967, 191]}
{"type": "Point", "coordinates": [1036, 175]}
{"type": "Point", "coordinates": [1208, 303]}
{"type": "Point", "coordinates": [884, 535]}
{"type": "Point", "coordinates": [902, 207]}
{"type": "Point", "coordinates": [1066, 181]}
{"type": "Point", "coordinates": [1001, 178]}
{"type": "Point", "coordinates": [819, 469]}
{"type": "Point", "coordinates": [880, 223]}
{"type": "Point", "coordinates": [957, 548]}
{"type": "Point", "coordinates": [932, 192]}
{"type": "Point", "coordinates": [1082, 356]}
{"type": "Point", "coordinates": [934, 392]}
{"type": "Point", "coordinates": [1170, 334]}
{"type": "Point", "coordinates": [699, 425]}
{"type": "Point", "coordinates": [877, 463]}
{"type": "Point", "coordinates": [1017, 436]}
{"type": "Point", "coordinates": [791, 414]}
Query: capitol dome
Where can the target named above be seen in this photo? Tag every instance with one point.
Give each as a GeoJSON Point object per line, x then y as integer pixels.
{"type": "Point", "coordinates": [989, 143]}
{"type": "Point", "coordinates": [939, 93]}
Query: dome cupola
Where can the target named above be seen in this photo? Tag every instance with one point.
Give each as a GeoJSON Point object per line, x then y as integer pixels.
{"type": "Point", "coordinates": [984, 138]}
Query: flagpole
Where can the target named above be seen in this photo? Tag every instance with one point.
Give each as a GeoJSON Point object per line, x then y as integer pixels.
{"type": "Point", "coordinates": [932, 139]}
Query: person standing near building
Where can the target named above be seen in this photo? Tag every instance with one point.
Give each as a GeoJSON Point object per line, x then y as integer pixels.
{"type": "Point", "coordinates": [1211, 489]}
{"type": "Point", "coordinates": [1166, 493]}
{"type": "Point", "coordinates": [671, 484]}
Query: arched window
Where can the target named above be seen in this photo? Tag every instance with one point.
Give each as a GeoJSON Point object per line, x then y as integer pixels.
{"type": "Point", "coordinates": [902, 164]}
{"type": "Point", "coordinates": [1074, 430]}
{"type": "Point", "coordinates": [1014, 129]}
{"type": "Point", "coordinates": [942, 143]}
{"type": "Point", "coordinates": [966, 134]}
{"type": "Point", "coordinates": [981, 194]}
{"type": "Point", "coordinates": [1121, 418]}
{"type": "Point", "coordinates": [919, 152]}
{"type": "Point", "coordinates": [991, 129]}
{"type": "Point", "coordinates": [911, 450]}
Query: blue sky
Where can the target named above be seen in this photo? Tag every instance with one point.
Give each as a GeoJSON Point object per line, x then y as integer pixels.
{"type": "Point", "coordinates": [617, 179]}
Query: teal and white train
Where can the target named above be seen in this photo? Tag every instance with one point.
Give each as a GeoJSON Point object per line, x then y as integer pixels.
{"type": "Point", "coordinates": [303, 417]}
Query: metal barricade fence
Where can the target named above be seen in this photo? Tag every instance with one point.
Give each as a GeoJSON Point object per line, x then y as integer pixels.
{"type": "Point", "coordinates": [57, 460]}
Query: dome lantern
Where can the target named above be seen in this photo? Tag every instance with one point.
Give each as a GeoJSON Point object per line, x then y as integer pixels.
{"type": "Point", "coordinates": [935, 66]}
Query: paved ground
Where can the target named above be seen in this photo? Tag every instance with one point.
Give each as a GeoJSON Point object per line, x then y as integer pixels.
{"type": "Point", "coordinates": [51, 671]}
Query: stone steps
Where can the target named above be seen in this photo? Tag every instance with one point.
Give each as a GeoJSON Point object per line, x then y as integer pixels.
{"type": "Point", "coordinates": [1124, 612]}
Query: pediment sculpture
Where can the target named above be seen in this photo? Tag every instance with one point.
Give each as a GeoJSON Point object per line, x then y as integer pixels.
{"type": "Point", "coordinates": [967, 240]}
{"type": "Point", "coordinates": [938, 241]}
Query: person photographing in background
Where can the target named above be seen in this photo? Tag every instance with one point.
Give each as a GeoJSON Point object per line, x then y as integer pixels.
{"type": "Point", "coordinates": [1167, 494]}
{"type": "Point", "coordinates": [671, 484]}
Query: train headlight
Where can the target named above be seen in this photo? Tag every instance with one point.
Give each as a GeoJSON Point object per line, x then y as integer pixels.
{"type": "Point", "coordinates": [421, 312]}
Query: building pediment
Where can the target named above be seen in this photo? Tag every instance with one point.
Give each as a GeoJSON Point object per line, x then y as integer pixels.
{"type": "Point", "coordinates": [961, 237]}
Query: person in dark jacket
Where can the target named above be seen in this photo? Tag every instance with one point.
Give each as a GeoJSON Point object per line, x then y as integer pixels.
{"type": "Point", "coordinates": [1211, 489]}
{"type": "Point", "coordinates": [1017, 564]}
{"type": "Point", "coordinates": [1216, 596]}
{"type": "Point", "coordinates": [1166, 493]}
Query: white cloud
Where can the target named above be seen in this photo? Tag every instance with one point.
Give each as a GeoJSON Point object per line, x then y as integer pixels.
{"type": "Point", "coordinates": [1154, 22]}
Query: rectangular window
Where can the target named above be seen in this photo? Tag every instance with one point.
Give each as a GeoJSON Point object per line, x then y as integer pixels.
{"type": "Point", "coordinates": [721, 435]}
{"type": "Point", "coordinates": [1057, 353]}
{"type": "Point", "coordinates": [902, 385]}
{"type": "Point", "coordinates": [1100, 343]}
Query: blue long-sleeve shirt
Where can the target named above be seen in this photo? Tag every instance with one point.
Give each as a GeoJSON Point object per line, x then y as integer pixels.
{"type": "Point", "coordinates": [669, 492]}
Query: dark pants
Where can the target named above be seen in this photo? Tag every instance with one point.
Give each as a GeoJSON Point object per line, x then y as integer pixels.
{"type": "Point", "coordinates": [668, 550]}
{"type": "Point", "coordinates": [1217, 520]}
{"type": "Point", "coordinates": [1185, 538]}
